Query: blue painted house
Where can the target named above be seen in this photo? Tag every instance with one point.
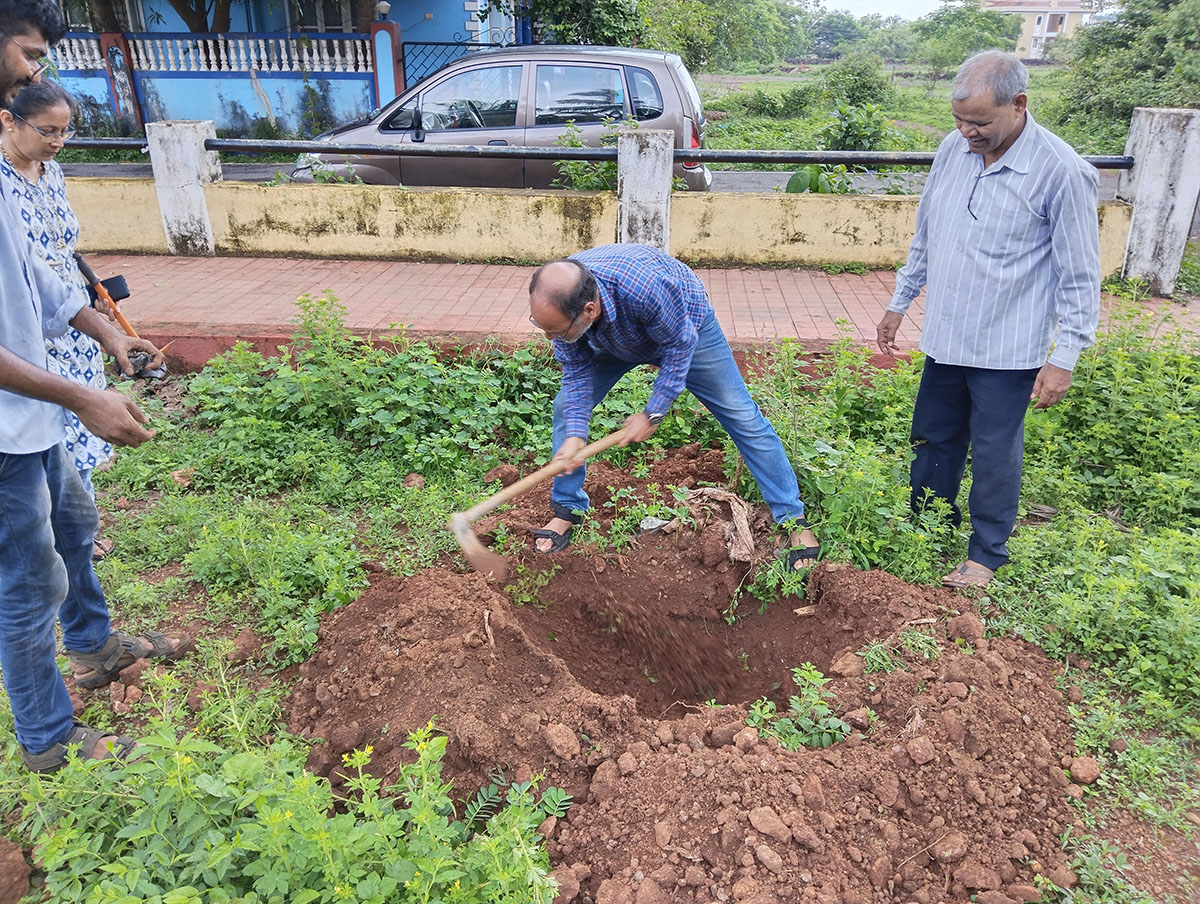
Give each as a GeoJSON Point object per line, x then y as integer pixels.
{"type": "Point", "coordinates": [282, 68]}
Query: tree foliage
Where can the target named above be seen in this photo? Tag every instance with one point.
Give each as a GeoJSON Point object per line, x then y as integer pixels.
{"type": "Point", "coordinates": [858, 79]}
{"type": "Point", "coordinates": [611, 22]}
{"type": "Point", "coordinates": [1148, 54]}
{"type": "Point", "coordinates": [204, 16]}
{"type": "Point", "coordinates": [958, 29]}
{"type": "Point", "coordinates": [729, 33]}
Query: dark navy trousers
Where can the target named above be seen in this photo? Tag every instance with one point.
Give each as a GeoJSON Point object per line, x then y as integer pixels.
{"type": "Point", "coordinates": [961, 408]}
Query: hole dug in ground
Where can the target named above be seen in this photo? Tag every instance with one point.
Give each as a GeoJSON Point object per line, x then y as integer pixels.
{"type": "Point", "coordinates": [951, 787]}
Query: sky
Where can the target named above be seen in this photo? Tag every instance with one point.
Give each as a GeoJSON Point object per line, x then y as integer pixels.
{"type": "Point", "coordinates": [908, 9]}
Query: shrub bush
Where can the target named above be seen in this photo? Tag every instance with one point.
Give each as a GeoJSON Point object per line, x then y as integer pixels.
{"type": "Point", "coordinates": [858, 79]}
{"type": "Point", "coordinates": [856, 129]}
{"type": "Point", "coordinates": [192, 821]}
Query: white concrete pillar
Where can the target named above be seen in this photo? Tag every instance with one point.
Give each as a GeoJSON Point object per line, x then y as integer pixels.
{"type": "Point", "coordinates": [182, 167]}
{"type": "Point", "coordinates": [1163, 188]}
{"type": "Point", "coordinates": [644, 165]}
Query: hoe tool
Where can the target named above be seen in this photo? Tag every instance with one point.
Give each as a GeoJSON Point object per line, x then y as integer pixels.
{"type": "Point", "coordinates": [138, 360]}
{"type": "Point", "coordinates": [477, 555]}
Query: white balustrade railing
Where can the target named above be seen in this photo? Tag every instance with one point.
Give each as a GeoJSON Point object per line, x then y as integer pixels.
{"type": "Point", "coordinates": [244, 53]}
{"type": "Point", "coordinates": [78, 53]}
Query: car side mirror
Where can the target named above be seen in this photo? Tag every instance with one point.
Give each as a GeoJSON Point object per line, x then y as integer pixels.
{"type": "Point", "coordinates": [418, 132]}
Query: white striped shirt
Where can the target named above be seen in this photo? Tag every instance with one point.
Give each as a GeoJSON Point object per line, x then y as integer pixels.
{"type": "Point", "coordinates": [1009, 255]}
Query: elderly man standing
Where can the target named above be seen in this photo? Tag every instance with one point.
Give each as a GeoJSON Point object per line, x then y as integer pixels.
{"type": "Point", "coordinates": [47, 519]}
{"type": "Point", "coordinates": [1007, 246]}
{"type": "Point", "coordinates": [611, 308]}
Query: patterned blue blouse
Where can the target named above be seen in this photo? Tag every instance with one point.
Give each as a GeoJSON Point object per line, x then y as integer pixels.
{"type": "Point", "coordinates": [43, 210]}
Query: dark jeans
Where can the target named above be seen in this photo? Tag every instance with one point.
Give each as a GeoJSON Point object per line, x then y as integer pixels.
{"type": "Point", "coordinates": [47, 523]}
{"type": "Point", "coordinates": [970, 407]}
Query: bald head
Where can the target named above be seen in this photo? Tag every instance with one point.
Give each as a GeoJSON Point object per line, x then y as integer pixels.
{"type": "Point", "coordinates": [562, 297]}
{"type": "Point", "coordinates": [566, 284]}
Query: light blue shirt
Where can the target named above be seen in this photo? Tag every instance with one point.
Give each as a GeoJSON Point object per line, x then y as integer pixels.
{"type": "Point", "coordinates": [34, 305]}
{"type": "Point", "coordinates": [1009, 255]}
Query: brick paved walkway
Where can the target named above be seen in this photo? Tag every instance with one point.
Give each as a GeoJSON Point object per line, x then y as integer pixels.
{"type": "Point", "coordinates": [228, 294]}
{"type": "Point", "coordinates": [221, 298]}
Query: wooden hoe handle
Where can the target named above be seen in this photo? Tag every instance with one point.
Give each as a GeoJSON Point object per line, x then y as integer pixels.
{"type": "Point", "coordinates": [484, 560]}
{"type": "Point", "coordinates": [529, 481]}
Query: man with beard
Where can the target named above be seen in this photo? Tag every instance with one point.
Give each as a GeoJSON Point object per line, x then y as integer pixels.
{"type": "Point", "coordinates": [47, 520]}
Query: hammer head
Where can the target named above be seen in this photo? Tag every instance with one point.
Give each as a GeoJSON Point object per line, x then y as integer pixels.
{"type": "Point", "coordinates": [477, 555]}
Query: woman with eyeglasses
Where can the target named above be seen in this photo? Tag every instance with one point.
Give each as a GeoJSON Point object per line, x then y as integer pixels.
{"type": "Point", "coordinates": [32, 132]}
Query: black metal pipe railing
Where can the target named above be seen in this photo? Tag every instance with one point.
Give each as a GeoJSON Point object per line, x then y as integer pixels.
{"type": "Point", "coordinates": [696, 155]}
{"type": "Point", "coordinates": [107, 144]}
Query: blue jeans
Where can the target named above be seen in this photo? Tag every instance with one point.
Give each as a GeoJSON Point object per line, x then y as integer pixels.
{"type": "Point", "coordinates": [960, 407]}
{"type": "Point", "coordinates": [85, 475]}
{"type": "Point", "coordinates": [715, 380]}
{"type": "Point", "coordinates": [47, 522]}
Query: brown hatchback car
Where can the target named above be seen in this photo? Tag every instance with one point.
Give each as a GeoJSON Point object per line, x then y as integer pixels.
{"type": "Point", "coordinates": [522, 96]}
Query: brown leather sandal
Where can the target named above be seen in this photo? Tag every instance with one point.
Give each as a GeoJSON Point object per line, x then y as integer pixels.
{"type": "Point", "coordinates": [86, 738]}
{"type": "Point", "coordinates": [968, 574]}
{"type": "Point", "coordinates": [93, 670]}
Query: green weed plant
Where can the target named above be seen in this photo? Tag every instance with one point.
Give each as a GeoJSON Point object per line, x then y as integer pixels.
{"type": "Point", "coordinates": [630, 508]}
{"type": "Point", "coordinates": [809, 720]}
{"type": "Point", "coordinates": [528, 585]}
{"type": "Point", "coordinates": [193, 822]}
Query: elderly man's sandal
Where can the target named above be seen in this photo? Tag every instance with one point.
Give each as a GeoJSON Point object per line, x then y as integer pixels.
{"type": "Point", "coordinates": [799, 555]}
{"type": "Point", "coordinates": [968, 574]}
{"type": "Point", "coordinates": [55, 758]}
{"type": "Point", "coordinates": [93, 670]}
{"type": "Point", "coordinates": [558, 542]}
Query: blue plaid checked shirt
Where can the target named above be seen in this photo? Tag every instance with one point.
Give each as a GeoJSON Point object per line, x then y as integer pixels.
{"type": "Point", "coordinates": [653, 307]}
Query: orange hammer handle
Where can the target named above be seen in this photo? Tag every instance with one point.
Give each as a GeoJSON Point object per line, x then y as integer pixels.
{"type": "Point", "coordinates": [102, 293]}
{"type": "Point", "coordinates": [112, 306]}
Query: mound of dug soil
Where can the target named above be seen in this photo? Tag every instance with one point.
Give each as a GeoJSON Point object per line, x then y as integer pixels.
{"type": "Point", "coordinates": [952, 787]}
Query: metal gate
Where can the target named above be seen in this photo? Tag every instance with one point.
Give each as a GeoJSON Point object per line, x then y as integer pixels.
{"type": "Point", "coordinates": [422, 58]}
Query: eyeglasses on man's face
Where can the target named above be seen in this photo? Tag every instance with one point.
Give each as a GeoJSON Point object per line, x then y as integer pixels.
{"type": "Point", "coordinates": [48, 135]}
{"type": "Point", "coordinates": [557, 334]}
{"type": "Point", "coordinates": [39, 61]}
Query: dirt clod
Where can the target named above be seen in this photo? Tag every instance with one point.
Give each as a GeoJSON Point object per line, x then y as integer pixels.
{"type": "Point", "coordinates": [1085, 770]}
{"type": "Point", "coordinates": [506, 474]}
{"type": "Point", "coordinates": [14, 873]}
{"type": "Point", "coordinates": [245, 646]}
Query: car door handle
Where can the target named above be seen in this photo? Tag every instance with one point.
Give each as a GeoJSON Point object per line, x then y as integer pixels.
{"type": "Point", "coordinates": [499, 142]}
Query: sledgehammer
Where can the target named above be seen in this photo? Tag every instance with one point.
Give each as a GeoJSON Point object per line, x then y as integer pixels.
{"type": "Point", "coordinates": [477, 555]}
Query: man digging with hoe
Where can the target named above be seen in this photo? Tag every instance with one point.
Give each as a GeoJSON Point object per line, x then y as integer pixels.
{"type": "Point", "coordinates": [611, 308]}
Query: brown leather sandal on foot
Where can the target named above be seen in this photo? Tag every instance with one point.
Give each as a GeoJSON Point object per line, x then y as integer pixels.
{"type": "Point", "coordinates": [86, 738]}
{"type": "Point", "coordinates": [968, 574]}
{"type": "Point", "coordinates": [93, 670]}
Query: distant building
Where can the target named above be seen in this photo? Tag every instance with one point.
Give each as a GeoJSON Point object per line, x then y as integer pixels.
{"type": "Point", "coordinates": [1043, 22]}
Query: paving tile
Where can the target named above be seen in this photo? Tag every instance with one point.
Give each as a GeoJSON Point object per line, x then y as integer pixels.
{"type": "Point", "coordinates": [179, 295]}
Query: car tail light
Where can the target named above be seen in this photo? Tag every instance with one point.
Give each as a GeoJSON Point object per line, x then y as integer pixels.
{"type": "Point", "coordinates": [693, 142]}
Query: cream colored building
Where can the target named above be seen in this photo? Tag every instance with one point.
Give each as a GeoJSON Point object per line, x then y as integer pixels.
{"type": "Point", "coordinates": [1043, 21]}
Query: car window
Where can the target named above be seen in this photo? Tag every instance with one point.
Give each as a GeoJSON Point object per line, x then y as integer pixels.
{"type": "Point", "coordinates": [402, 118]}
{"type": "Point", "coordinates": [475, 99]}
{"type": "Point", "coordinates": [578, 93]}
{"type": "Point", "coordinates": [644, 94]}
